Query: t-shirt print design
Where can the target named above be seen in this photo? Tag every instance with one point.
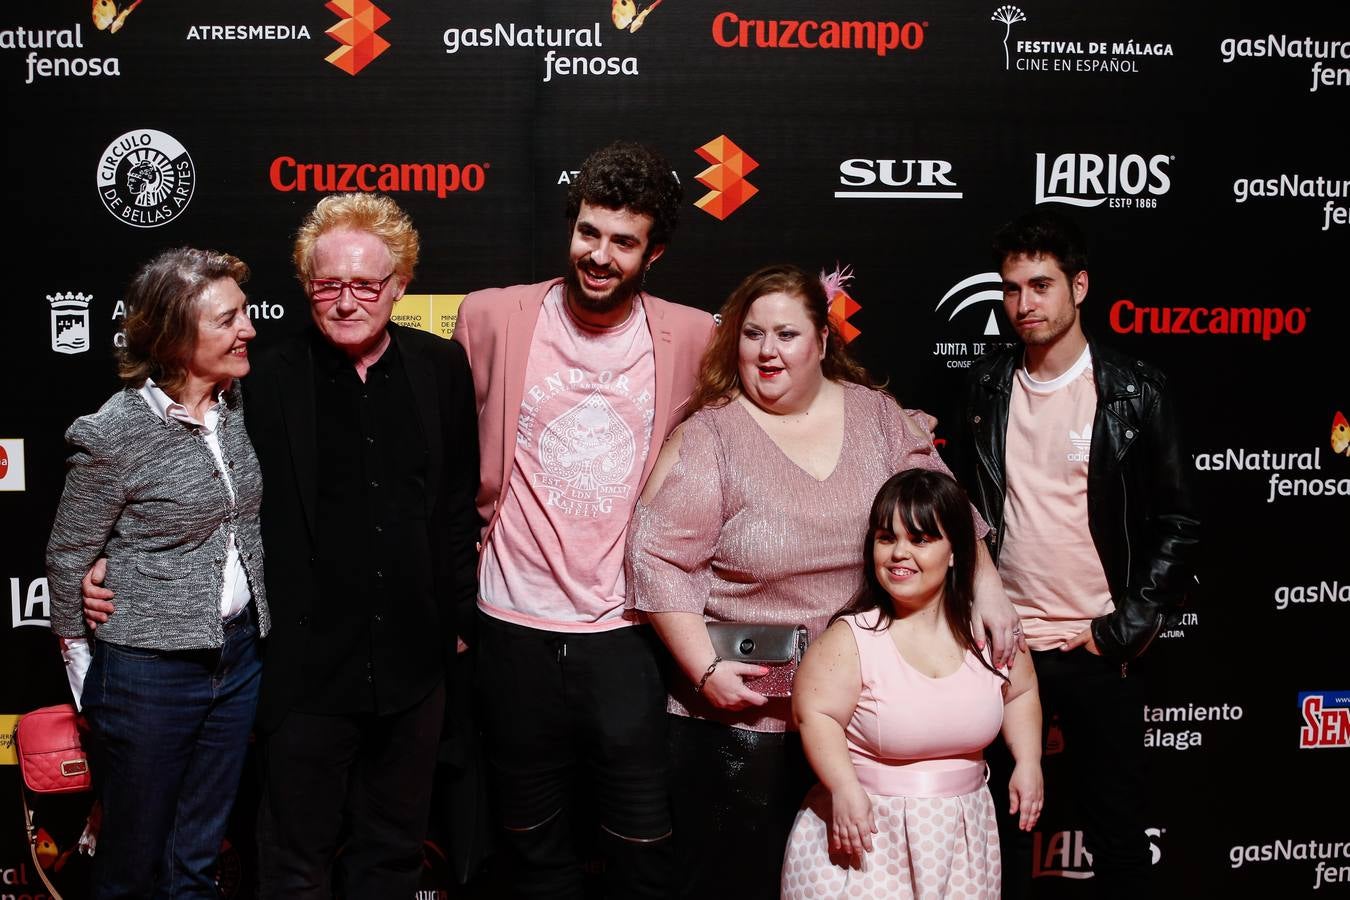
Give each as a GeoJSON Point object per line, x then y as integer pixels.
{"type": "Point", "coordinates": [587, 453]}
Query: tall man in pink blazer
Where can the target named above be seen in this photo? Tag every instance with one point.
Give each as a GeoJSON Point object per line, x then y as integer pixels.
{"type": "Point", "coordinates": [578, 380]}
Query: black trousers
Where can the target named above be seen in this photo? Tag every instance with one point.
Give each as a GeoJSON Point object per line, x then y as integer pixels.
{"type": "Point", "coordinates": [371, 773]}
{"type": "Point", "coordinates": [736, 795]}
{"type": "Point", "coordinates": [564, 713]}
{"type": "Point", "coordinates": [1101, 715]}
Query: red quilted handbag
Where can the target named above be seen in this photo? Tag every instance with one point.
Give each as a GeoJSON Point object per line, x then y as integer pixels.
{"type": "Point", "coordinates": [51, 756]}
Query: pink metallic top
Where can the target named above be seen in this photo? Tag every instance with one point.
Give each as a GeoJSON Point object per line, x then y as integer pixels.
{"type": "Point", "coordinates": [740, 533]}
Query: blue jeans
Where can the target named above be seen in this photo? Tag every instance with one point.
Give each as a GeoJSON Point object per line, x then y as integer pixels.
{"type": "Point", "coordinates": [171, 732]}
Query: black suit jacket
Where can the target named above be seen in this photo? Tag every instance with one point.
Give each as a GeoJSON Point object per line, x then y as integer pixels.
{"type": "Point", "coordinates": [280, 414]}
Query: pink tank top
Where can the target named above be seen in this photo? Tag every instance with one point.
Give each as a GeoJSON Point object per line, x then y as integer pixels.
{"type": "Point", "coordinates": [914, 735]}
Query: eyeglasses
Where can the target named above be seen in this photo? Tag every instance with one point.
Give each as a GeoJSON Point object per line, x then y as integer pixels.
{"type": "Point", "coordinates": [361, 288]}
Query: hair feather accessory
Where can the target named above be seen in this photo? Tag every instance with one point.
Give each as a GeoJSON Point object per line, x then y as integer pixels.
{"type": "Point", "coordinates": [835, 282]}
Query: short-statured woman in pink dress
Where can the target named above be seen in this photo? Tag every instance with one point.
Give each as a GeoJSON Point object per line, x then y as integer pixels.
{"type": "Point", "coordinates": [752, 514]}
{"type": "Point", "coordinates": [896, 704]}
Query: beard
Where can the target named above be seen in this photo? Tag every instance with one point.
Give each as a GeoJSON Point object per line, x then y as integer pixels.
{"type": "Point", "coordinates": [623, 291]}
{"type": "Point", "coordinates": [1052, 330]}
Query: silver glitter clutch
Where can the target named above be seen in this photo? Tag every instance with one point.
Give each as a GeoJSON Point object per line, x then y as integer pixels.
{"type": "Point", "coordinates": [780, 647]}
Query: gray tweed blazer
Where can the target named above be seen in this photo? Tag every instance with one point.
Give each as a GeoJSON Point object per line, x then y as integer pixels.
{"type": "Point", "coordinates": [147, 495]}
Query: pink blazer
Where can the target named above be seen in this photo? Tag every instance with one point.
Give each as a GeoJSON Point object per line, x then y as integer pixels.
{"type": "Point", "coordinates": [496, 328]}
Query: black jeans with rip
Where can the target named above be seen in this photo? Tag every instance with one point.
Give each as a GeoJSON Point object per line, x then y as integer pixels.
{"type": "Point", "coordinates": [572, 719]}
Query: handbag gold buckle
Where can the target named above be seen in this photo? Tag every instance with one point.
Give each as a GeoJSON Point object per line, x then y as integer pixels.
{"type": "Point", "coordinates": [72, 767]}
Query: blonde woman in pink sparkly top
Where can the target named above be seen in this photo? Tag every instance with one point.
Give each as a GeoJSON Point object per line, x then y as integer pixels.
{"type": "Point", "coordinates": [753, 513]}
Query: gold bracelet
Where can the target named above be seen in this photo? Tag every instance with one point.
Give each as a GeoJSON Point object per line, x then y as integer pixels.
{"type": "Point", "coordinates": [712, 667]}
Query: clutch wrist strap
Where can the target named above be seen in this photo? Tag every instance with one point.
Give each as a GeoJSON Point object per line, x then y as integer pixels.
{"type": "Point", "coordinates": [712, 667]}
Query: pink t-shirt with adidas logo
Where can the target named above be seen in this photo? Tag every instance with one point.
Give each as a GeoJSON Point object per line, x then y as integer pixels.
{"type": "Point", "coordinates": [1049, 564]}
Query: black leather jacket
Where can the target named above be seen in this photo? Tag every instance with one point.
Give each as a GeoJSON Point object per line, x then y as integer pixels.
{"type": "Point", "coordinates": [1140, 511]}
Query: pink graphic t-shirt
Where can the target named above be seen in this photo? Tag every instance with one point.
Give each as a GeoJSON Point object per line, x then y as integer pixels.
{"type": "Point", "coordinates": [554, 560]}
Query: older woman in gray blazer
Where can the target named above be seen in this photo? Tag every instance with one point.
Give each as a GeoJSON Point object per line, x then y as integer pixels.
{"type": "Point", "coordinates": [163, 482]}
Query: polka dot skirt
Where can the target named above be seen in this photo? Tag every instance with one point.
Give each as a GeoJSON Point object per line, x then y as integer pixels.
{"type": "Point", "coordinates": [926, 849]}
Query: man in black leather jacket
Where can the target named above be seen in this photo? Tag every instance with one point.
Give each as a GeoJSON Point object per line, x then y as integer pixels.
{"type": "Point", "coordinates": [1094, 532]}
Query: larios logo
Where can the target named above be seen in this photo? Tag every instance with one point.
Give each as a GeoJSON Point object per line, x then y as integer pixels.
{"type": "Point", "coordinates": [1326, 719]}
{"type": "Point", "coordinates": [1072, 55]}
{"type": "Point", "coordinates": [725, 178]}
{"type": "Point", "coordinates": [31, 605]}
{"type": "Point", "coordinates": [1127, 317]}
{"type": "Point", "coordinates": [1285, 47]}
{"type": "Point", "coordinates": [51, 41]}
{"type": "Point", "coordinates": [880, 37]}
{"type": "Point", "coordinates": [979, 298]}
{"type": "Point", "coordinates": [360, 19]}
{"type": "Point", "coordinates": [879, 179]}
{"type": "Point", "coordinates": [1087, 179]}
{"type": "Point", "coordinates": [509, 34]}
{"type": "Point", "coordinates": [146, 178]}
{"type": "Point", "coordinates": [287, 174]}
{"type": "Point", "coordinates": [1064, 854]}
{"type": "Point", "coordinates": [1184, 731]}
{"type": "Point", "coordinates": [1318, 188]}
{"type": "Point", "coordinates": [12, 470]}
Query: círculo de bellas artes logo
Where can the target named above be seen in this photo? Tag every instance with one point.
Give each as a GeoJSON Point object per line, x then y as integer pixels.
{"type": "Point", "coordinates": [146, 178]}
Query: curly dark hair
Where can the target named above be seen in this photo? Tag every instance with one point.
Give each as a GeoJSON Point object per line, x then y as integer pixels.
{"type": "Point", "coordinates": [628, 175]}
{"type": "Point", "coordinates": [933, 505]}
{"type": "Point", "coordinates": [1043, 232]}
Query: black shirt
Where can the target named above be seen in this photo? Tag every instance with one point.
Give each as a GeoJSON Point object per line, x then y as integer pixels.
{"type": "Point", "coordinates": [374, 562]}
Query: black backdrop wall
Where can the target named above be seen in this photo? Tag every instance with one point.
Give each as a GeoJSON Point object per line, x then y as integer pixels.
{"type": "Point", "coordinates": [1202, 145]}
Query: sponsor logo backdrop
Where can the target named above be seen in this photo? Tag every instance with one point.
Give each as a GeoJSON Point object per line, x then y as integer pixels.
{"type": "Point", "coordinates": [1197, 145]}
